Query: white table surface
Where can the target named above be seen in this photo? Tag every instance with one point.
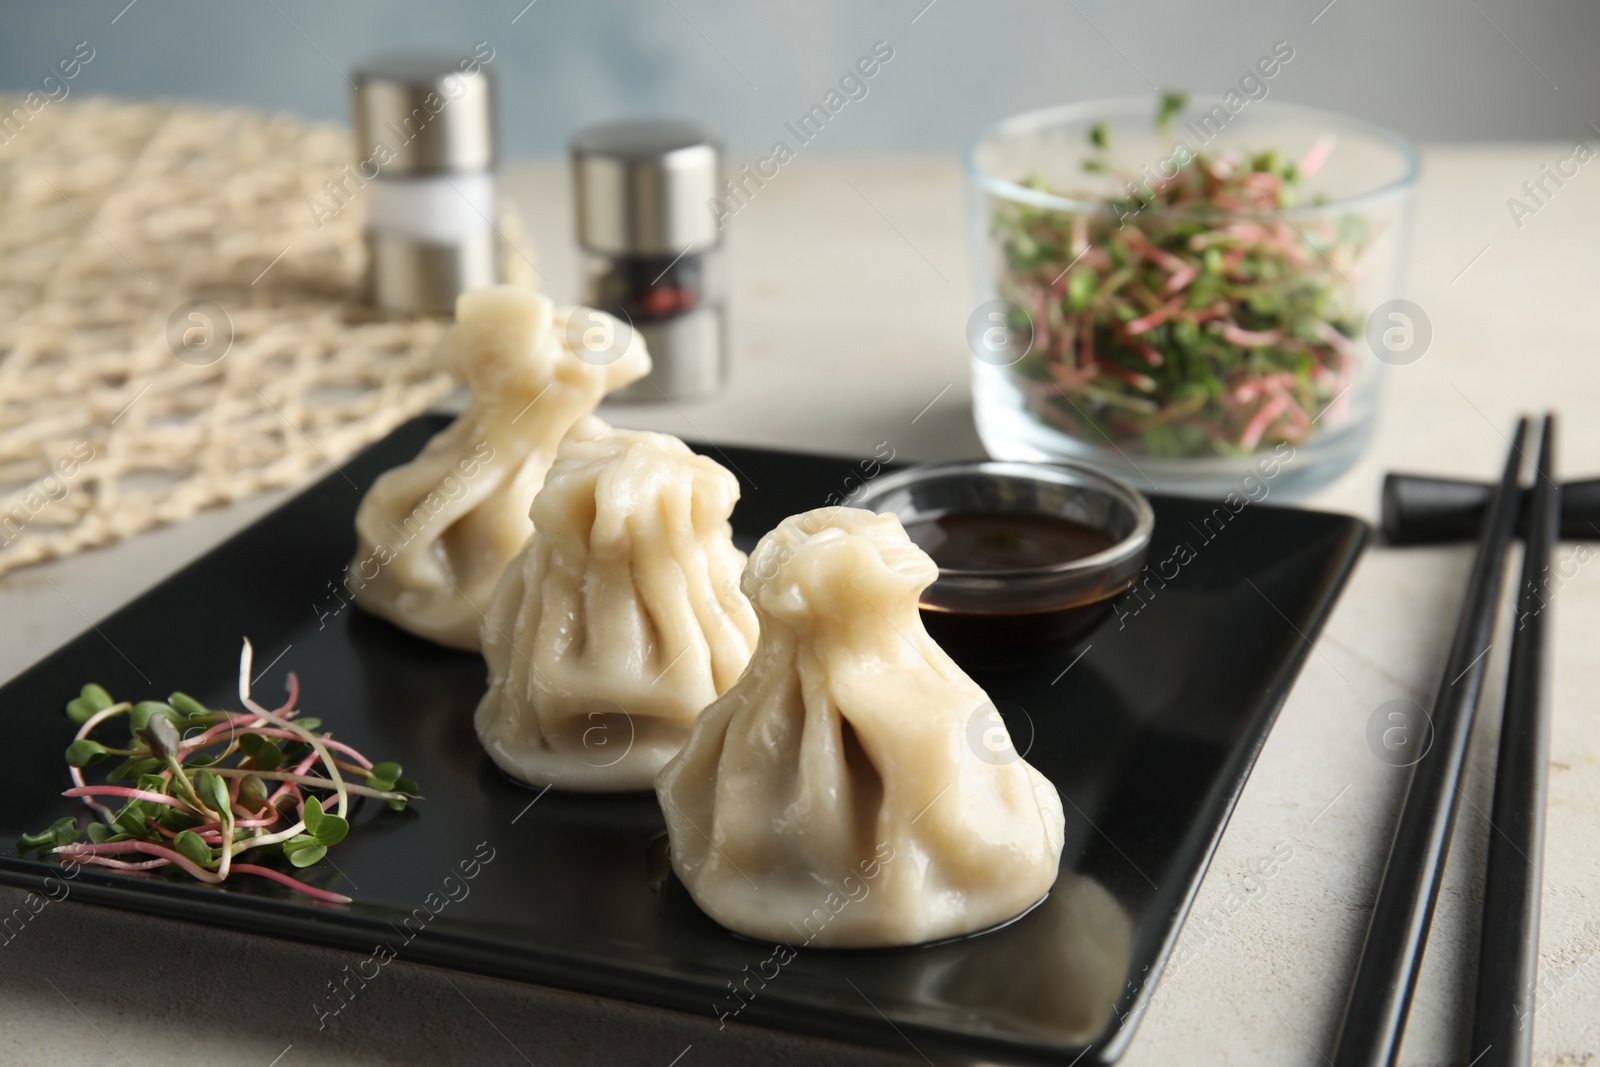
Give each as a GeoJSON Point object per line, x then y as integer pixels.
{"type": "Point", "coordinates": [849, 302]}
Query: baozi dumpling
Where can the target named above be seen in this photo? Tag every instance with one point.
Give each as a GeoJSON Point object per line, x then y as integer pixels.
{"type": "Point", "coordinates": [836, 795]}
{"type": "Point", "coordinates": [435, 534]}
{"type": "Point", "coordinates": [620, 620]}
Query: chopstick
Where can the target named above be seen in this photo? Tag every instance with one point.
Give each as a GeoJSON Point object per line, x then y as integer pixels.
{"type": "Point", "coordinates": [1386, 976]}
{"type": "Point", "coordinates": [1508, 951]}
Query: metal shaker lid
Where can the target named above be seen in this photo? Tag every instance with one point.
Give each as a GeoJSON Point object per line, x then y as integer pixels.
{"type": "Point", "coordinates": [432, 111]}
{"type": "Point", "coordinates": [642, 187]}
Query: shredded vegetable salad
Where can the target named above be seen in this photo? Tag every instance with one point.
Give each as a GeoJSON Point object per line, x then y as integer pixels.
{"type": "Point", "coordinates": [1193, 317]}
{"type": "Point", "coordinates": [175, 798]}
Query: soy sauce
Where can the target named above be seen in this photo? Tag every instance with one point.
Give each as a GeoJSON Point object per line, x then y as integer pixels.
{"type": "Point", "coordinates": [986, 541]}
{"type": "Point", "coordinates": [998, 542]}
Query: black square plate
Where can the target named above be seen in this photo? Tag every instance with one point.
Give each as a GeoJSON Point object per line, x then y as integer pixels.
{"type": "Point", "coordinates": [1149, 736]}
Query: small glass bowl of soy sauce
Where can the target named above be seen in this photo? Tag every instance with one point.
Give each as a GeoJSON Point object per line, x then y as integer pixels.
{"type": "Point", "coordinates": [1030, 555]}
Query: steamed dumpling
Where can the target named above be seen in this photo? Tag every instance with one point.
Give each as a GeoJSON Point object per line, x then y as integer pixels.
{"type": "Point", "coordinates": [839, 794]}
{"type": "Point", "coordinates": [621, 619]}
{"type": "Point", "coordinates": [435, 534]}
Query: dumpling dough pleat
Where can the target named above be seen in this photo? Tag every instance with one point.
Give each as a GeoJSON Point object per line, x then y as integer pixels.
{"type": "Point", "coordinates": [436, 533]}
{"type": "Point", "coordinates": [621, 619]}
{"type": "Point", "coordinates": [846, 792]}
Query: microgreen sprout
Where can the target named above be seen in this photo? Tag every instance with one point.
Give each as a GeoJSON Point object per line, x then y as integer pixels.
{"type": "Point", "coordinates": [197, 788]}
{"type": "Point", "coordinates": [1189, 315]}
{"type": "Point", "coordinates": [1171, 104]}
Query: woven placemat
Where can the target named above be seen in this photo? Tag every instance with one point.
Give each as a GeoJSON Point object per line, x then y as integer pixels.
{"type": "Point", "coordinates": [123, 404]}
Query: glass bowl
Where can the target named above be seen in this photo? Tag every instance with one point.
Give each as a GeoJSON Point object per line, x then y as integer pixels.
{"type": "Point", "coordinates": [1001, 617]}
{"type": "Point", "coordinates": [1176, 343]}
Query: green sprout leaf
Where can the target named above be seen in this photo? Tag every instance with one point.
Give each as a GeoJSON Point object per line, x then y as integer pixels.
{"type": "Point", "coordinates": [175, 819]}
{"type": "Point", "coordinates": [1171, 104]}
{"type": "Point", "coordinates": [331, 830]}
{"type": "Point", "coordinates": [159, 733]}
{"type": "Point", "coordinates": [313, 814]}
{"type": "Point", "coordinates": [1080, 289]}
{"type": "Point", "coordinates": [384, 776]}
{"type": "Point", "coordinates": [31, 842]}
{"type": "Point", "coordinates": [131, 820]}
{"type": "Point", "coordinates": [406, 786]}
{"type": "Point", "coordinates": [217, 793]}
{"type": "Point", "coordinates": [303, 850]}
{"type": "Point", "coordinates": [265, 755]}
{"type": "Point", "coordinates": [212, 790]}
{"type": "Point", "coordinates": [309, 723]}
{"type": "Point", "coordinates": [253, 793]}
{"type": "Point", "coordinates": [187, 706]}
{"type": "Point", "coordinates": [90, 701]}
{"type": "Point", "coordinates": [192, 848]}
{"type": "Point", "coordinates": [63, 831]}
{"type": "Point", "coordinates": [35, 842]}
{"type": "Point", "coordinates": [83, 752]}
{"type": "Point", "coordinates": [143, 711]}
{"type": "Point", "coordinates": [134, 768]}
{"type": "Point", "coordinates": [1099, 135]}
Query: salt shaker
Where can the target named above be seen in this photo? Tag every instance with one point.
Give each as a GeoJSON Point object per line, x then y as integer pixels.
{"type": "Point", "coordinates": [652, 248]}
{"type": "Point", "coordinates": [426, 151]}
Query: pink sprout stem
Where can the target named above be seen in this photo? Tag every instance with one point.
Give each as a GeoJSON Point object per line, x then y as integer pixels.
{"type": "Point", "coordinates": [96, 854]}
{"type": "Point", "coordinates": [293, 687]}
{"type": "Point", "coordinates": [122, 791]}
{"type": "Point", "coordinates": [83, 731]}
{"type": "Point", "coordinates": [290, 787]}
{"type": "Point", "coordinates": [89, 848]}
{"type": "Point", "coordinates": [99, 717]}
{"type": "Point", "coordinates": [119, 865]}
{"type": "Point", "coordinates": [292, 883]}
{"type": "Point", "coordinates": [148, 848]}
{"type": "Point", "coordinates": [300, 779]}
{"type": "Point", "coordinates": [246, 656]}
{"type": "Point", "coordinates": [337, 746]}
{"type": "Point", "coordinates": [226, 726]}
{"type": "Point", "coordinates": [1320, 150]}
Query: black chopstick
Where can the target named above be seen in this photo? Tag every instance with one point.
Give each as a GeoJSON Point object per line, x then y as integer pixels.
{"type": "Point", "coordinates": [1508, 951]}
{"type": "Point", "coordinates": [1386, 976]}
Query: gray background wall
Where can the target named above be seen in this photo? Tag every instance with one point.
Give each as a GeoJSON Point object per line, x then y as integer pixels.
{"type": "Point", "coordinates": [1434, 69]}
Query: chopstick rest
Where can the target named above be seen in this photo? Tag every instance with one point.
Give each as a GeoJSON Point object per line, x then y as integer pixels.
{"type": "Point", "coordinates": [1508, 950]}
{"type": "Point", "coordinates": [1418, 510]}
{"type": "Point", "coordinates": [1391, 956]}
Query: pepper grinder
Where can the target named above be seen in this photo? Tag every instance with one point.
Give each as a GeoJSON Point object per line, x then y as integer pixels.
{"type": "Point", "coordinates": [426, 152]}
{"type": "Point", "coordinates": [652, 248]}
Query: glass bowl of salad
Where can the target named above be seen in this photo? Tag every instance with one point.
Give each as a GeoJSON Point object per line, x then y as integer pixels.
{"type": "Point", "coordinates": [1180, 292]}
